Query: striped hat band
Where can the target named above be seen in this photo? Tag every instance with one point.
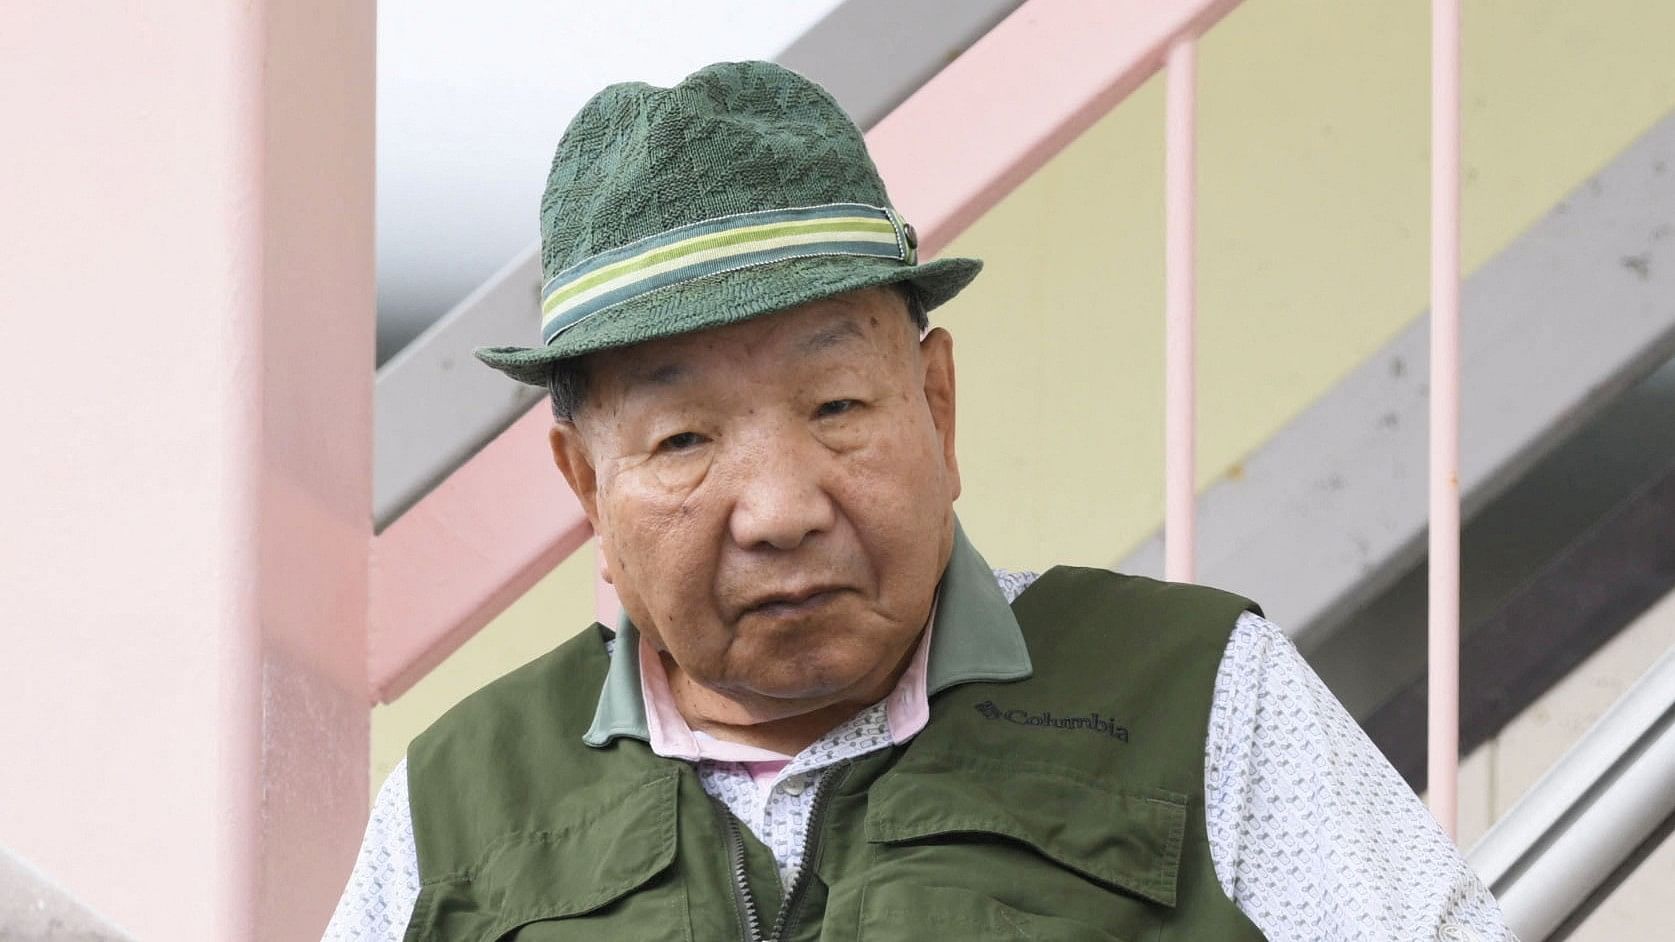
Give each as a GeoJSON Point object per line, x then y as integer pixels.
{"type": "Point", "coordinates": [718, 245]}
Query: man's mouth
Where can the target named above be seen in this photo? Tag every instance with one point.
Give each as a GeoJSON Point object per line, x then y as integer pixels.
{"type": "Point", "coordinates": [791, 603]}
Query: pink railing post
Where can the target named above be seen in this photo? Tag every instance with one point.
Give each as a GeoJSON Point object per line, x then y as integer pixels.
{"type": "Point", "coordinates": [1180, 406]}
{"type": "Point", "coordinates": [1443, 757]}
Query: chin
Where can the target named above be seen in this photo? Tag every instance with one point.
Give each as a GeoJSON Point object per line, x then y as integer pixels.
{"type": "Point", "coordinates": [811, 680]}
{"type": "Point", "coordinates": [810, 659]}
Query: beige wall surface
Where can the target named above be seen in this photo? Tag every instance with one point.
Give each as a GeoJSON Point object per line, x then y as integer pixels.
{"type": "Point", "coordinates": [1313, 227]}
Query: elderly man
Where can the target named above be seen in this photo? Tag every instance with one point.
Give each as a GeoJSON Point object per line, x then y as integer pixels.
{"type": "Point", "coordinates": [823, 716]}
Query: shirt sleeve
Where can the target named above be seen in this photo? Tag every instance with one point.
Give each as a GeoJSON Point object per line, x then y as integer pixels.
{"type": "Point", "coordinates": [378, 902]}
{"type": "Point", "coordinates": [1313, 835]}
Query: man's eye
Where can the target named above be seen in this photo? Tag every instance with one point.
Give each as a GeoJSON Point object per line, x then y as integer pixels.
{"type": "Point", "coordinates": [680, 441]}
{"type": "Point", "coordinates": [835, 407]}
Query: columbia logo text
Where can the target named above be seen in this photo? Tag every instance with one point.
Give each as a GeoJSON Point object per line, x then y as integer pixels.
{"type": "Point", "coordinates": [1092, 722]}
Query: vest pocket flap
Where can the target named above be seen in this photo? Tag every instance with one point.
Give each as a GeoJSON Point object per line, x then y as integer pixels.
{"type": "Point", "coordinates": [583, 863]}
{"type": "Point", "coordinates": [1127, 840]}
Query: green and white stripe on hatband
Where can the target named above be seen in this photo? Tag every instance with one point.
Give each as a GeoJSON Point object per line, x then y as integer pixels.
{"type": "Point", "coordinates": [713, 246]}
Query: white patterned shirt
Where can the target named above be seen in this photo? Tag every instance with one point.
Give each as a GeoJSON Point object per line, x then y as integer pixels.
{"type": "Point", "coordinates": [1312, 834]}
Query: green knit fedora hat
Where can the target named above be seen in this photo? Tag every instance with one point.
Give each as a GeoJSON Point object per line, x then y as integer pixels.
{"type": "Point", "coordinates": [741, 191]}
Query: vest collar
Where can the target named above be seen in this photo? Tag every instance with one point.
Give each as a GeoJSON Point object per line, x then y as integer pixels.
{"type": "Point", "coordinates": [975, 637]}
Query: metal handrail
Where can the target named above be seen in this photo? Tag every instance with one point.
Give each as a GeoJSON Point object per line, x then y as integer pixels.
{"type": "Point", "coordinates": [1585, 823]}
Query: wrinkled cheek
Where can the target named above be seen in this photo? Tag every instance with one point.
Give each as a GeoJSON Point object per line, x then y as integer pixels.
{"type": "Point", "coordinates": [901, 477]}
{"type": "Point", "coordinates": [654, 546]}
{"type": "Point", "coordinates": [664, 558]}
{"type": "Point", "coordinates": [899, 501]}
{"type": "Point", "coordinates": [640, 514]}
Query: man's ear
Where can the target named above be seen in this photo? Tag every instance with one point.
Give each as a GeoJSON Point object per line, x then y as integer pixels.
{"type": "Point", "coordinates": [936, 354]}
{"type": "Point", "coordinates": [571, 456]}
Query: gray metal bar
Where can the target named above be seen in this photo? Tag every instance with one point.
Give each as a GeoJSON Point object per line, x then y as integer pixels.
{"type": "Point", "coordinates": [1595, 807]}
{"type": "Point", "coordinates": [872, 54]}
{"type": "Point", "coordinates": [32, 906]}
{"type": "Point", "coordinates": [435, 406]}
{"type": "Point", "coordinates": [1648, 851]}
{"type": "Point", "coordinates": [1332, 509]}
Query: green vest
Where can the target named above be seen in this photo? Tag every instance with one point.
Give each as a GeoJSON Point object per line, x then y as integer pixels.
{"type": "Point", "coordinates": [1068, 805]}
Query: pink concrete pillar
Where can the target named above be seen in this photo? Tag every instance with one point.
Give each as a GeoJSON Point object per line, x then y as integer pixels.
{"type": "Point", "coordinates": [186, 283]}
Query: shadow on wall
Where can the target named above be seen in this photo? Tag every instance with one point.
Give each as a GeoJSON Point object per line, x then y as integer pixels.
{"type": "Point", "coordinates": [1560, 510]}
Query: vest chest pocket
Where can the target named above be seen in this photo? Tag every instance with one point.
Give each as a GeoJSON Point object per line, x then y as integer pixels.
{"type": "Point", "coordinates": [1027, 854]}
{"type": "Point", "coordinates": [605, 877]}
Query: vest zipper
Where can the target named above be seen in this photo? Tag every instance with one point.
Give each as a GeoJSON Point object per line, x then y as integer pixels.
{"type": "Point", "coordinates": [811, 847]}
{"type": "Point", "coordinates": [750, 924]}
{"type": "Point", "coordinates": [745, 901]}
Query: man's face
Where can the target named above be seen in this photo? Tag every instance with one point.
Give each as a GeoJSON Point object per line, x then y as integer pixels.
{"type": "Point", "coordinates": [774, 498]}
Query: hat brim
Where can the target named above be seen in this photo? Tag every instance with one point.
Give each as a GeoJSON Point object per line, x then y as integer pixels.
{"type": "Point", "coordinates": [727, 298]}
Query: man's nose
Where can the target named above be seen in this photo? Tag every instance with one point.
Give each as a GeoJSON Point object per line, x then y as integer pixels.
{"type": "Point", "coordinates": [781, 501]}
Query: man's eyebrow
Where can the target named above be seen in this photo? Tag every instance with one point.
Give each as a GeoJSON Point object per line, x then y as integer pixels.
{"type": "Point", "coordinates": [663, 374]}
{"type": "Point", "coordinates": [830, 336]}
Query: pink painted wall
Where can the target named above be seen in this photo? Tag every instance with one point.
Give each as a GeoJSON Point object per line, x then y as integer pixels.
{"type": "Point", "coordinates": [186, 293]}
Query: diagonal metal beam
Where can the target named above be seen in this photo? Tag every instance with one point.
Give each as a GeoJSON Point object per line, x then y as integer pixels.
{"type": "Point", "coordinates": [32, 906]}
{"type": "Point", "coordinates": [1332, 509]}
{"type": "Point", "coordinates": [872, 54]}
{"type": "Point", "coordinates": [466, 548]}
{"type": "Point", "coordinates": [434, 405]}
